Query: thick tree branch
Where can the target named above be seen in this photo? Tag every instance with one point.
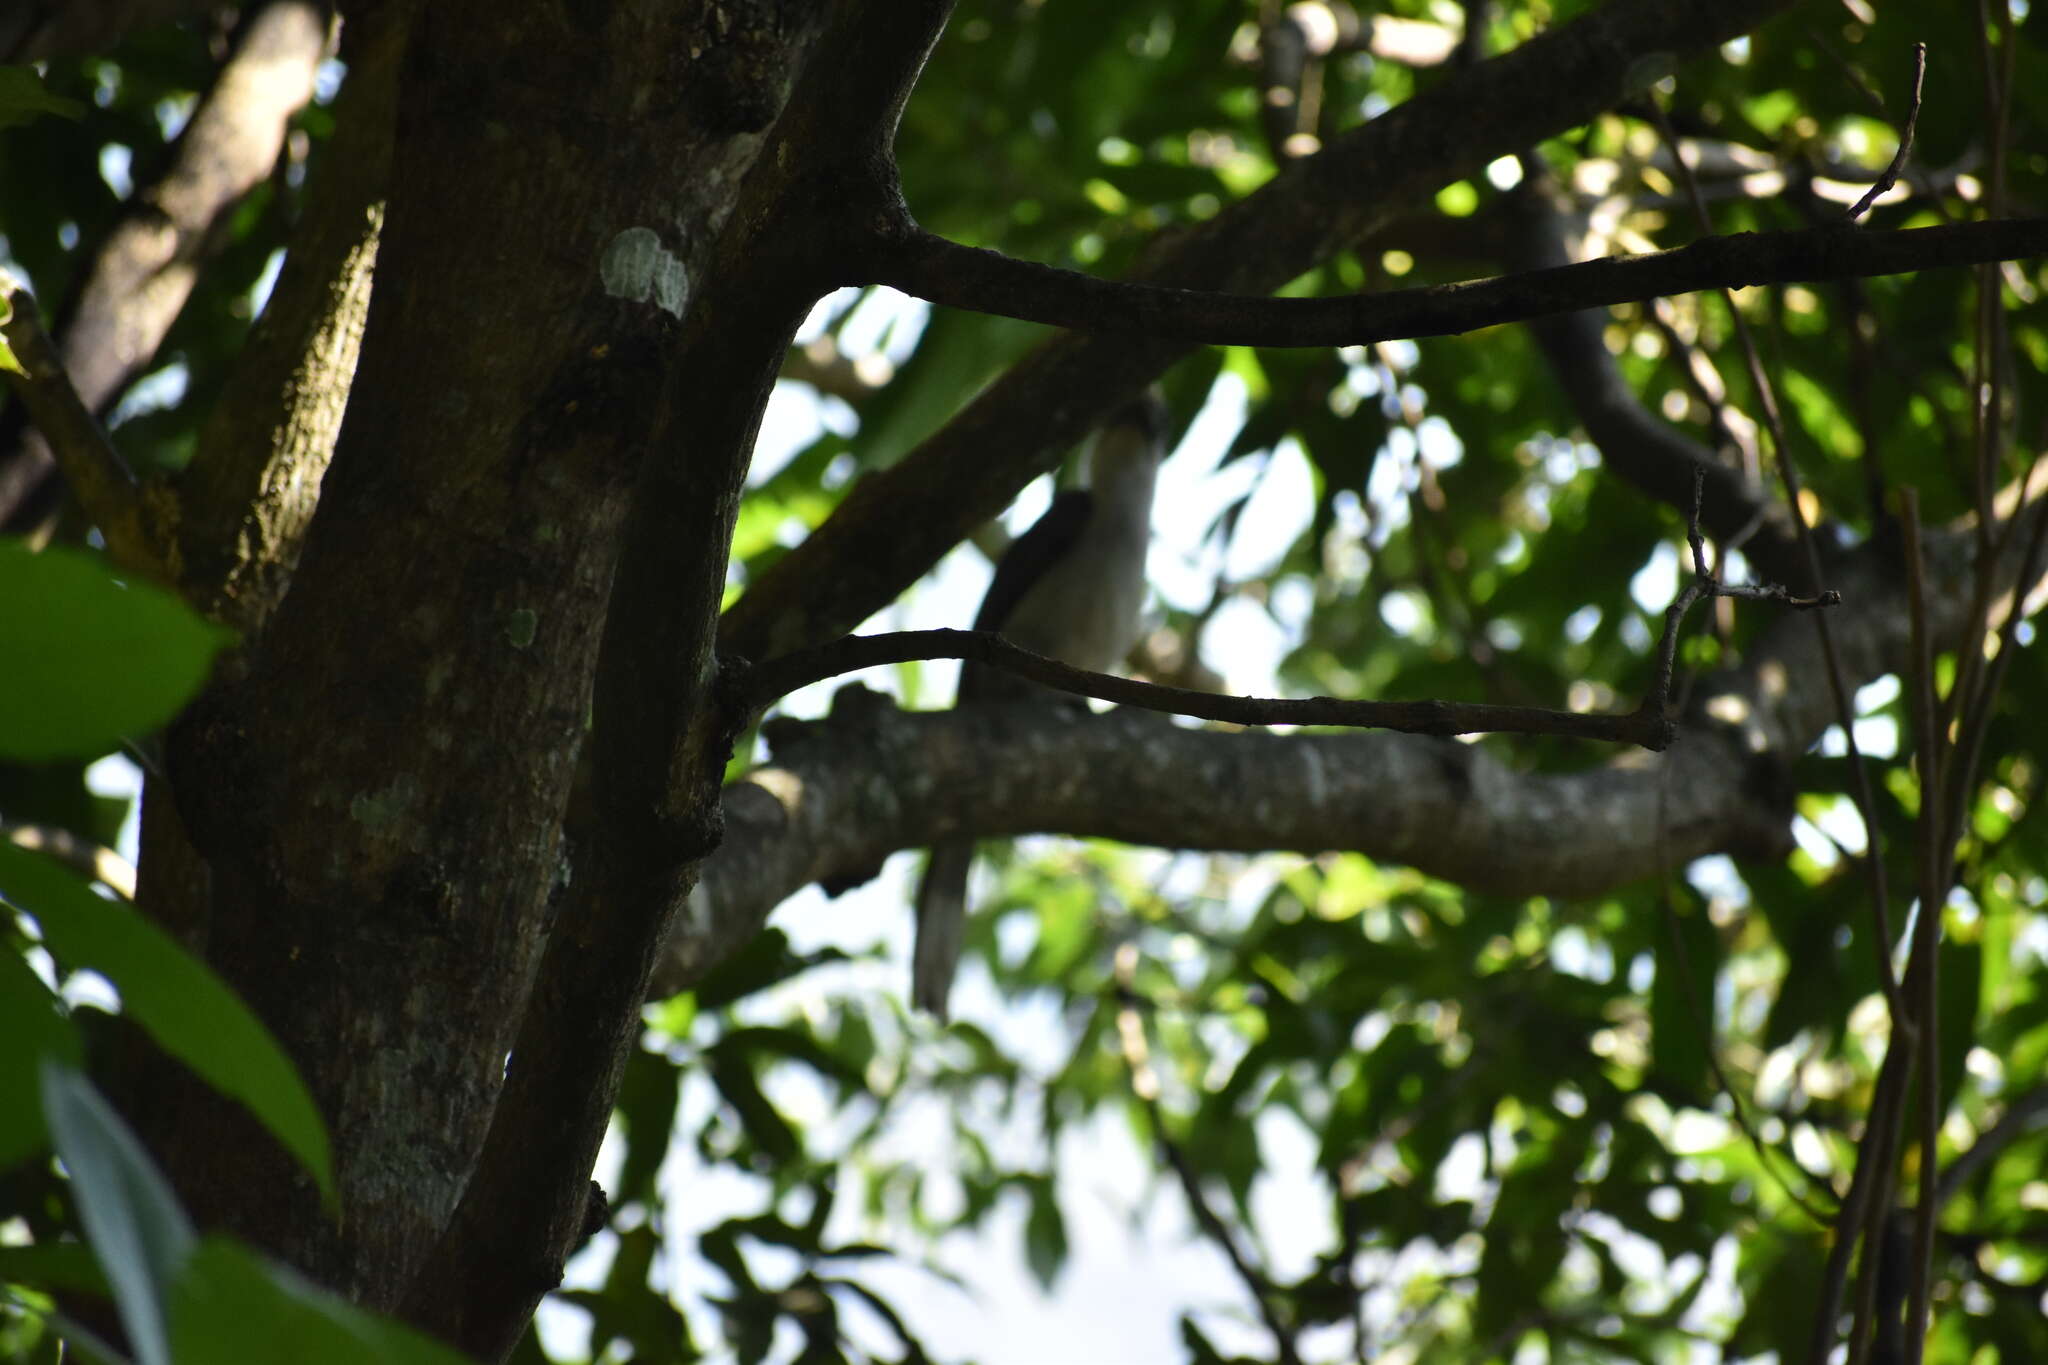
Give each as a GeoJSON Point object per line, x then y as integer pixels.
{"type": "Point", "coordinates": [34, 30]}
{"type": "Point", "coordinates": [934, 269]}
{"type": "Point", "coordinates": [844, 793]}
{"type": "Point", "coordinates": [1636, 444]}
{"type": "Point", "coordinates": [895, 525]}
{"type": "Point", "coordinates": [250, 492]}
{"type": "Point", "coordinates": [109, 331]}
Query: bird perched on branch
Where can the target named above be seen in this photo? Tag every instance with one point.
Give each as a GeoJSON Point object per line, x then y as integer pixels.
{"type": "Point", "coordinates": [1070, 588]}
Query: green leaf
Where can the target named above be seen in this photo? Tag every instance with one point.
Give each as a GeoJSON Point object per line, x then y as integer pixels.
{"type": "Point", "coordinates": [23, 98]}
{"type": "Point", "coordinates": [176, 997]}
{"type": "Point", "coordinates": [1045, 1235]}
{"type": "Point", "coordinates": [139, 1234]}
{"type": "Point", "coordinates": [764, 962]}
{"type": "Point", "coordinates": [646, 1111]}
{"type": "Point", "coordinates": [66, 1266]}
{"type": "Point", "coordinates": [777, 1142]}
{"type": "Point", "coordinates": [231, 1304]}
{"type": "Point", "coordinates": [86, 659]}
{"type": "Point", "coordinates": [1681, 997]}
{"type": "Point", "coordinates": [35, 1026]}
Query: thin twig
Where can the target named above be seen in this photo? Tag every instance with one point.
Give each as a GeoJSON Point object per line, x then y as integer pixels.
{"type": "Point", "coordinates": [2020, 1118]}
{"type": "Point", "coordinates": [1647, 726]}
{"type": "Point", "coordinates": [1966, 752]}
{"type": "Point", "coordinates": [102, 864]}
{"type": "Point", "coordinates": [106, 488]}
{"type": "Point", "coordinates": [1856, 1217]}
{"type": "Point", "coordinates": [1930, 744]}
{"type": "Point", "coordinates": [1703, 1019]}
{"type": "Point", "coordinates": [1898, 161]}
{"type": "Point", "coordinates": [1703, 1016]}
{"type": "Point", "coordinates": [1866, 802]}
{"type": "Point", "coordinates": [944, 272]}
{"type": "Point", "coordinates": [1145, 1088]}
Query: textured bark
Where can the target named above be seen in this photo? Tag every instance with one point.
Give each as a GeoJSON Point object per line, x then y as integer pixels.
{"type": "Point", "coordinates": [379, 800]}
{"type": "Point", "coordinates": [249, 496]}
{"type": "Point", "coordinates": [664, 716]}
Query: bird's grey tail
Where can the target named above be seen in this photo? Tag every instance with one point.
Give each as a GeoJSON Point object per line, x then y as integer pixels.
{"type": "Point", "coordinates": [941, 923]}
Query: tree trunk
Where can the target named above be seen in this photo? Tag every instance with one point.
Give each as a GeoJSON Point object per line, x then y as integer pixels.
{"type": "Point", "coordinates": [375, 790]}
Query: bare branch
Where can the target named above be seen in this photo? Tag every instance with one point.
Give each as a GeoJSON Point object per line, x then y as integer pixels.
{"type": "Point", "coordinates": [2025, 1113]}
{"type": "Point", "coordinates": [944, 272]}
{"type": "Point", "coordinates": [1130, 1027]}
{"type": "Point", "coordinates": [844, 793]}
{"type": "Point", "coordinates": [1647, 726]}
{"type": "Point", "coordinates": [32, 32]}
{"type": "Point", "coordinates": [106, 487]}
{"type": "Point", "coordinates": [1636, 444]}
{"type": "Point", "coordinates": [96, 861]}
{"type": "Point", "coordinates": [1898, 161]}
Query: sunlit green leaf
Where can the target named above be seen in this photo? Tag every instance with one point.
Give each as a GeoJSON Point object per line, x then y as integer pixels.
{"type": "Point", "coordinates": [230, 1304]}
{"type": "Point", "coordinates": [177, 998]}
{"type": "Point", "coordinates": [36, 1029]}
{"type": "Point", "coordinates": [140, 1236]}
{"type": "Point", "coordinates": [87, 659]}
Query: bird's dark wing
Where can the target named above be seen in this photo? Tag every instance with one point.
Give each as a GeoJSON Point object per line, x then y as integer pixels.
{"type": "Point", "coordinates": [1031, 554]}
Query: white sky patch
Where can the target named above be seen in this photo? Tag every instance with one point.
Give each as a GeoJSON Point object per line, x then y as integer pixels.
{"type": "Point", "coordinates": [1504, 173]}
{"type": "Point", "coordinates": [1278, 512]}
{"type": "Point", "coordinates": [174, 112]}
{"type": "Point", "coordinates": [793, 419]}
{"type": "Point", "coordinates": [1245, 642]}
{"type": "Point", "coordinates": [884, 321]}
{"type": "Point", "coordinates": [1876, 736]}
{"type": "Point", "coordinates": [259, 292]}
{"type": "Point", "coordinates": [1404, 610]}
{"type": "Point", "coordinates": [159, 389]}
{"type": "Point", "coordinates": [117, 775]}
{"type": "Point", "coordinates": [327, 79]}
{"type": "Point", "coordinates": [116, 163]}
{"type": "Point", "coordinates": [823, 311]}
{"type": "Point", "coordinates": [1440, 445]}
{"type": "Point", "coordinates": [1814, 843]}
{"type": "Point", "coordinates": [1843, 823]}
{"type": "Point", "coordinates": [1461, 1174]}
{"type": "Point", "coordinates": [1656, 583]}
{"type": "Point", "coordinates": [1716, 878]}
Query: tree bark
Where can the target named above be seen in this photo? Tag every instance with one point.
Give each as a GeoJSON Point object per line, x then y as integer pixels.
{"type": "Point", "coordinates": [377, 792]}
